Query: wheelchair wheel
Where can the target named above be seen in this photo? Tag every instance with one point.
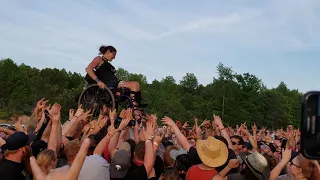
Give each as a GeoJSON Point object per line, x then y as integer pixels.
{"type": "Point", "coordinates": [96, 99]}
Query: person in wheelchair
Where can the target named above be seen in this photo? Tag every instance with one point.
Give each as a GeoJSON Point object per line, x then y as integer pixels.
{"type": "Point", "coordinates": [101, 72]}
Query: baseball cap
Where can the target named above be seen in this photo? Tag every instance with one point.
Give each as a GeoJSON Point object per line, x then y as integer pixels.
{"type": "Point", "coordinates": [248, 145]}
{"type": "Point", "coordinates": [121, 161]}
{"type": "Point", "coordinates": [38, 146]}
{"type": "Point", "coordinates": [175, 153]}
{"type": "Point", "coordinates": [16, 141]}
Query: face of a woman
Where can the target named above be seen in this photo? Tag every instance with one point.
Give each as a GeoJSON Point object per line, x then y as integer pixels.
{"type": "Point", "coordinates": [293, 167]}
{"type": "Point", "coordinates": [110, 55]}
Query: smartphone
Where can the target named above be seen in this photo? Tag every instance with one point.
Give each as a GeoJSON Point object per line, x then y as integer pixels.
{"type": "Point", "coordinates": [310, 125]}
{"type": "Point", "coordinates": [132, 123]}
{"type": "Point", "coordinates": [284, 143]}
{"type": "Point", "coordinates": [119, 119]}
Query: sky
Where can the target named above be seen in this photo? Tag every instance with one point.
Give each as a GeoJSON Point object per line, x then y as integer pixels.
{"type": "Point", "coordinates": [276, 40]}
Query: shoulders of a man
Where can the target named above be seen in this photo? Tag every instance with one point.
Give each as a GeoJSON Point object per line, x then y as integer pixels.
{"type": "Point", "coordinates": [137, 172]}
{"type": "Point", "coordinates": [95, 167]}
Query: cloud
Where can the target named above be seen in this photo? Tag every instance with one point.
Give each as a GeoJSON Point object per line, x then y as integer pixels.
{"type": "Point", "coordinates": [157, 38]}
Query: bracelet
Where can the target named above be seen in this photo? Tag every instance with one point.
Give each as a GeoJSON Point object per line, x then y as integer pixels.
{"type": "Point", "coordinates": [110, 135]}
{"type": "Point", "coordinates": [222, 129]}
{"type": "Point", "coordinates": [97, 79]}
{"type": "Point", "coordinates": [148, 140]}
{"type": "Point", "coordinates": [156, 144]}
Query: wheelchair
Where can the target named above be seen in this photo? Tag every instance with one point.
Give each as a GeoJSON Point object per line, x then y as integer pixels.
{"type": "Point", "coordinates": [96, 99]}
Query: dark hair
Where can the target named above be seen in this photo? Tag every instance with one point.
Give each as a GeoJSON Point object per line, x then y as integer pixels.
{"type": "Point", "coordinates": [221, 138]}
{"type": "Point", "coordinates": [103, 49]}
{"type": "Point", "coordinates": [132, 145]}
{"type": "Point", "coordinates": [241, 141]}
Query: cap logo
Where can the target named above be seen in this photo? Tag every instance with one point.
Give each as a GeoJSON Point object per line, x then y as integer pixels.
{"type": "Point", "coordinates": [118, 167]}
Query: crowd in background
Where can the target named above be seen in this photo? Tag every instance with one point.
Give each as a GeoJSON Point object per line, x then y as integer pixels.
{"type": "Point", "coordinates": [133, 145]}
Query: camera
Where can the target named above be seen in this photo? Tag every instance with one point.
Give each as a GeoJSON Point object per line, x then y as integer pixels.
{"type": "Point", "coordinates": [310, 125]}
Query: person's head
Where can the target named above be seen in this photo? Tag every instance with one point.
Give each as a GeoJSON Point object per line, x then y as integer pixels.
{"type": "Point", "coordinates": [212, 152]}
{"type": "Point", "coordinates": [121, 161]}
{"type": "Point", "coordinates": [17, 147]}
{"type": "Point", "coordinates": [108, 52]}
{"type": "Point", "coordinates": [272, 161]}
{"type": "Point", "coordinates": [265, 149]}
{"type": "Point", "coordinates": [170, 174]}
{"type": "Point", "coordinates": [237, 142]}
{"type": "Point", "coordinates": [192, 141]}
{"type": "Point", "coordinates": [140, 151]}
{"type": "Point", "coordinates": [47, 160]}
{"type": "Point", "coordinates": [71, 150]}
{"type": "Point", "coordinates": [253, 165]}
{"type": "Point", "coordinates": [300, 167]}
{"type": "Point", "coordinates": [290, 127]}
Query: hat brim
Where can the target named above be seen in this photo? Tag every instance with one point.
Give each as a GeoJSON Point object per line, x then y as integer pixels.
{"type": "Point", "coordinates": [262, 176]}
{"type": "Point", "coordinates": [212, 162]}
{"type": "Point", "coordinates": [117, 174]}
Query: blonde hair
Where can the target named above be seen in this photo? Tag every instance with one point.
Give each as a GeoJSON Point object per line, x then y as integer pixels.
{"type": "Point", "coordinates": [45, 160]}
{"type": "Point", "coordinates": [71, 149]}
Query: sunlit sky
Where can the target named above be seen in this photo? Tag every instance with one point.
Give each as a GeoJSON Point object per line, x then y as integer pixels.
{"type": "Point", "coordinates": [277, 40]}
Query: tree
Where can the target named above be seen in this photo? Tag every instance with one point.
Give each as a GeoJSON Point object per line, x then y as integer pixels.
{"type": "Point", "coordinates": [235, 97]}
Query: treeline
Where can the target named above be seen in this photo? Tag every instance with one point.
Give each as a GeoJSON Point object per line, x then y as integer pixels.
{"type": "Point", "coordinates": [235, 97]}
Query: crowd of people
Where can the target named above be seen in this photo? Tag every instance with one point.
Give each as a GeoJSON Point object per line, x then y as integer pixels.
{"type": "Point", "coordinates": [131, 145]}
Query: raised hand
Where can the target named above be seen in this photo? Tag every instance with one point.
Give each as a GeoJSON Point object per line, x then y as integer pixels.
{"type": "Point", "coordinates": [112, 115]}
{"type": "Point", "coordinates": [185, 125]}
{"type": "Point", "coordinates": [79, 111]}
{"type": "Point", "coordinates": [55, 113]}
{"type": "Point", "coordinates": [217, 120]}
{"type": "Point", "coordinates": [71, 114]}
{"type": "Point", "coordinates": [71, 174]}
{"type": "Point", "coordinates": [233, 163]}
{"type": "Point", "coordinates": [41, 104]}
{"type": "Point", "coordinates": [196, 121]}
{"type": "Point", "coordinates": [168, 121]}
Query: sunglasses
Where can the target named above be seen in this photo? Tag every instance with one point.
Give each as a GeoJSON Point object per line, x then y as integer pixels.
{"type": "Point", "coordinates": [234, 143]}
{"type": "Point", "coordinates": [291, 163]}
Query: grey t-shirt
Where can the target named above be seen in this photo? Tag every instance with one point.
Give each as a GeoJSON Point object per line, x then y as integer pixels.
{"type": "Point", "coordinates": [95, 167]}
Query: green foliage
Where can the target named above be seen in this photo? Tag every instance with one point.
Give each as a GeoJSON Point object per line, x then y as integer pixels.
{"type": "Point", "coordinates": [235, 97]}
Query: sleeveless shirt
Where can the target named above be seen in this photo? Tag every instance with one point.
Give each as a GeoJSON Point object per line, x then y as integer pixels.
{"type": "Point", "coordinates": [106, 72]}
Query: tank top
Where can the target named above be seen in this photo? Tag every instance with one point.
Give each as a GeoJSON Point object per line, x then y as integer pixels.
{"type": "Point", "coordinates": [195, 173]}
{"type": "Point", "coordinates": [106, 72]}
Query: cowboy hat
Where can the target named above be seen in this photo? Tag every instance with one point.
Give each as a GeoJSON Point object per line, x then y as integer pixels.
{"type": "Point", "coordinates": [212, 152]}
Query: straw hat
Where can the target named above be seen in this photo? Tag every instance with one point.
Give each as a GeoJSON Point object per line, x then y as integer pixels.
{"type": "Point", "coordinates": [212, 152]}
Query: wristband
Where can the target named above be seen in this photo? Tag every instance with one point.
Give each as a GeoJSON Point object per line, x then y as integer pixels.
{"type": "Point", "coordinates": [97, 79]}
{"type": "Point", "coordinates": [156, 144]}
{"type": "Point", "coordinates": [148, 140]}
{"type": "Point", "coordinates": [222, 129]}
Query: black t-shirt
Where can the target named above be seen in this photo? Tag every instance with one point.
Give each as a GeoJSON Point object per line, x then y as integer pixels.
{"type": "Point", "coordinates": [106, 73]}
{"type": "Point", "coordinates": [231, 155]}
{"type": "Point", "coordinates": [158, 166]}
{"type": "Point", "coordinates": [193, 156]}
{"type": "Point", "coordinates": [10, 170]}
{"type": "Point", "coordinates": [140, 172]}
{"type": "Point", "coordinates": [137, 172]}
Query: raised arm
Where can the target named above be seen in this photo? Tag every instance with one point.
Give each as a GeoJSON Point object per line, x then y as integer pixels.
{"type": "Point", "coordinates": [181, 138]}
